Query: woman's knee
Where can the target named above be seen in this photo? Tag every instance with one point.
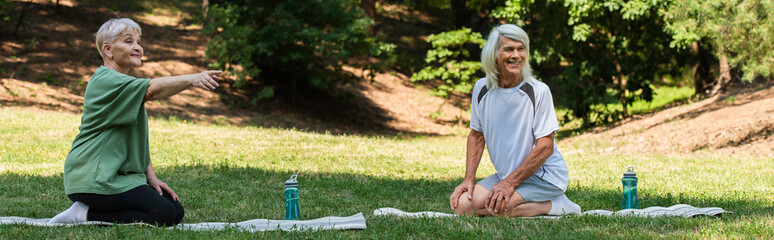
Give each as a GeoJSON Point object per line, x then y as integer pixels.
{"type": "Point", "coordinates": [167, 215]}
{"type": "Point", "coordinates": [179, 213]}
{"type": "Point", "coordinates": [178, 209]}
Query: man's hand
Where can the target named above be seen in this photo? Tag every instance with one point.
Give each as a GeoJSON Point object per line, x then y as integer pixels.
{"type": "Point", "coordinates": [500, 197]}
{"type": "Point", "coordinates": [465, 186]}
{"type": "Point", "coordinates": [161, 187]}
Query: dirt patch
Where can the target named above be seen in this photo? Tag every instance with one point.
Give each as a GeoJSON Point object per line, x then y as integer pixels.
{"type": "Point", "coordinates": [409, 108]}
{"type": "Point", "coordinates": [740, 123]}
{"type": "Point", "coordinates": [14, 92]}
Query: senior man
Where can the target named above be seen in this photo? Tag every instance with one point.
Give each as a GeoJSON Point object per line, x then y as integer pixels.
{"type": "Point", "coordinates": [512, 114]}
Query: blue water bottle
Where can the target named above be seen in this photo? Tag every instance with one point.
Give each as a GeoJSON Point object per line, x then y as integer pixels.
{"type": "Point", "coordinates": [629, 189]}
{"type": "Point", "coordinates": [292, 212]}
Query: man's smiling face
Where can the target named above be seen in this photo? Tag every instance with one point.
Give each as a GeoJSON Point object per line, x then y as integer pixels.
{"type": "Point", "coordinates": [511, 55]}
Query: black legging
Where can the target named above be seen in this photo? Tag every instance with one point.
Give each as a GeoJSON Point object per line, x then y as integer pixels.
{"type": "Point", "coordinates": [141, 204]}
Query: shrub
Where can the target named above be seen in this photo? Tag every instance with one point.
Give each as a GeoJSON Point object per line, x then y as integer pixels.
{"type": "Point", "coordinates": [450, 61]}
{"type": "Point", "coordinates": [291, 43]}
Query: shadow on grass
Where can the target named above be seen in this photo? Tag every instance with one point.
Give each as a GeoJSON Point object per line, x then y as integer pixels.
{"type": "Point", "coordinates": [229, 194]}
{"type": "Point", "coordinates": [226, 193]}
{"type": "Point", "coordinates": [740, 203]}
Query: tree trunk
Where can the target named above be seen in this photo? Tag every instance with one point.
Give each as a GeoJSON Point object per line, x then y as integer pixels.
{"type": "Point", "coordinates": [725, 72]}
{"type": "Point", "coordinates": [702, 78]}
{"type": "Point", "coordinates": [21, 18]}
{"type": "Point", "coordinates": [622, 94]}
{"type": "Point", "coordinates": [205, 8]}
{"type": "Point", "coordinates": [369, 6]}
{"type": "Point", "coordinates": [621, 82]}
{"type": "Point", "coordinates": [294, 89]}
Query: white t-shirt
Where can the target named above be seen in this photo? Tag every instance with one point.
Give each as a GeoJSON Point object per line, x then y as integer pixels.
{"type": "Point", "coordinates": [511, 126]}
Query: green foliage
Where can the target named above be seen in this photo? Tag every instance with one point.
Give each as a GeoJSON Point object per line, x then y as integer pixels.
{"type": "Point", "coordinates": [287, 41]}
{"type": "Point", "coordinates": [730, 100]}
{"type": "Point", "coordinates": [48, 78]}
{"type": "Point", "coordinates": [266, 92]}
{"type": "Point", "coordinates": [744, 29]}
{"type": "Point", "coordinates": [591, 52]}
{"type": "Point", "coordinates": [29, 45]}
{"type": "Point", "coordinates": [662, 96]}
{"type": "Point", "coordinates": [513, 10]}
{"type": "Point", "coordinates": [451, 62]}
{"type": "Point", "coordinates": [597, 52]}
{"type": "Point", "coordinates": [423, 5]}
{"type": "Point", "coordinates": [8, 11]}
{"type": "Point", "coordinates": [22, 70]}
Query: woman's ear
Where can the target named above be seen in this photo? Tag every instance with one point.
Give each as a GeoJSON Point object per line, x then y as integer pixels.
{"type": "Point", "coordinates": [107, 50]}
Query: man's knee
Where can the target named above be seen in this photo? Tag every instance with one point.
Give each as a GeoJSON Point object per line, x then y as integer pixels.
{"type": "Point", "coordinates": [465, 206]}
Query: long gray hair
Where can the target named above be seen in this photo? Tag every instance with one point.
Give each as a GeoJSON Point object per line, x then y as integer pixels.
{"type": "Point", "coordinates": [489, 53]}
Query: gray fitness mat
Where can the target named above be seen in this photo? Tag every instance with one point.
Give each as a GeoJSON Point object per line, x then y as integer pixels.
{"type": "Point", "coordinates": [356, 221]}
{"type": "Point", "coordinates": [679, 210]}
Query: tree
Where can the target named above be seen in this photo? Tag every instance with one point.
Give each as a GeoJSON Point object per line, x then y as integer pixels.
{"type": "Point", "coordinates": [7, 11]}
{"type": "Point", "coordinates": [617, 49]}
{"type": "Point", "coordinates": [596, 52]}
{"type": "Point", "coordinates": [740, 31]}
{"type": "Point", "coordinates": [369, 7]}
{"type": "Point", "coordinates": [451, 62]}
{"type": "Point", "coordinates": [473, 14]}
{"type": "Point", "coordinates": [292, 44]}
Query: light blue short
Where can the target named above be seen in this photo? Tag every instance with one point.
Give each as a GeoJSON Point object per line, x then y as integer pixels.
{"type": "Point", "coordinates": [534, 189]}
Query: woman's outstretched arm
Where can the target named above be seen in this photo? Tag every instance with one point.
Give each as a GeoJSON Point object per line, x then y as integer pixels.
{"type": "Point", "coordinates": [164, 87]}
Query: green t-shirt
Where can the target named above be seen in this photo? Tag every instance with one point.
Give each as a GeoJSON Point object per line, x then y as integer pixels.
{"type": "Point", "coordinates": [110, 154]}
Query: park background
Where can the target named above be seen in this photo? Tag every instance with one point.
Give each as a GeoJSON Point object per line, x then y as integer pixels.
{"type": "Point", "coordinates": [369, 102]}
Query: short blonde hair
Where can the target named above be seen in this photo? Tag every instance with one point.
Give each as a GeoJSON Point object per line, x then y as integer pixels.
{"type": "Point", "coordinates": [112, 29]}
{"type": "Point", "coordinates": [489, 53]}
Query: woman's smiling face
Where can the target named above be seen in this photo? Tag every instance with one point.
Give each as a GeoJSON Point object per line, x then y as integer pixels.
{"type": "Point", "coordinates": [126, 51]}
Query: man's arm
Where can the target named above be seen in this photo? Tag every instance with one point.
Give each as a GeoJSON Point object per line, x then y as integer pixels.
{"type": "Point", "coordinates": [501, 193]}
{"type": "Point", "coordinates": [543, 149]}
{"type": "Point", "coordinates": [475, 148]}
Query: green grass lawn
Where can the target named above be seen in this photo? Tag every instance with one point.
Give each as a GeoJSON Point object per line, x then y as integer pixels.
{"type": "Point", "coordinates": [228, 174]}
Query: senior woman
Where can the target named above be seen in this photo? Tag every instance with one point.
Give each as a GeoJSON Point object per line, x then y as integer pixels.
{"type": "Point", "coordinates": [108, 173]}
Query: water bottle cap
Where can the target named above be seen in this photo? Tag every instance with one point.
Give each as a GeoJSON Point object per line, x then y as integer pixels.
{"type": "Point", "coordinates": [630, 172]}
{"type": "Point", "coordinates": [292, 182]}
